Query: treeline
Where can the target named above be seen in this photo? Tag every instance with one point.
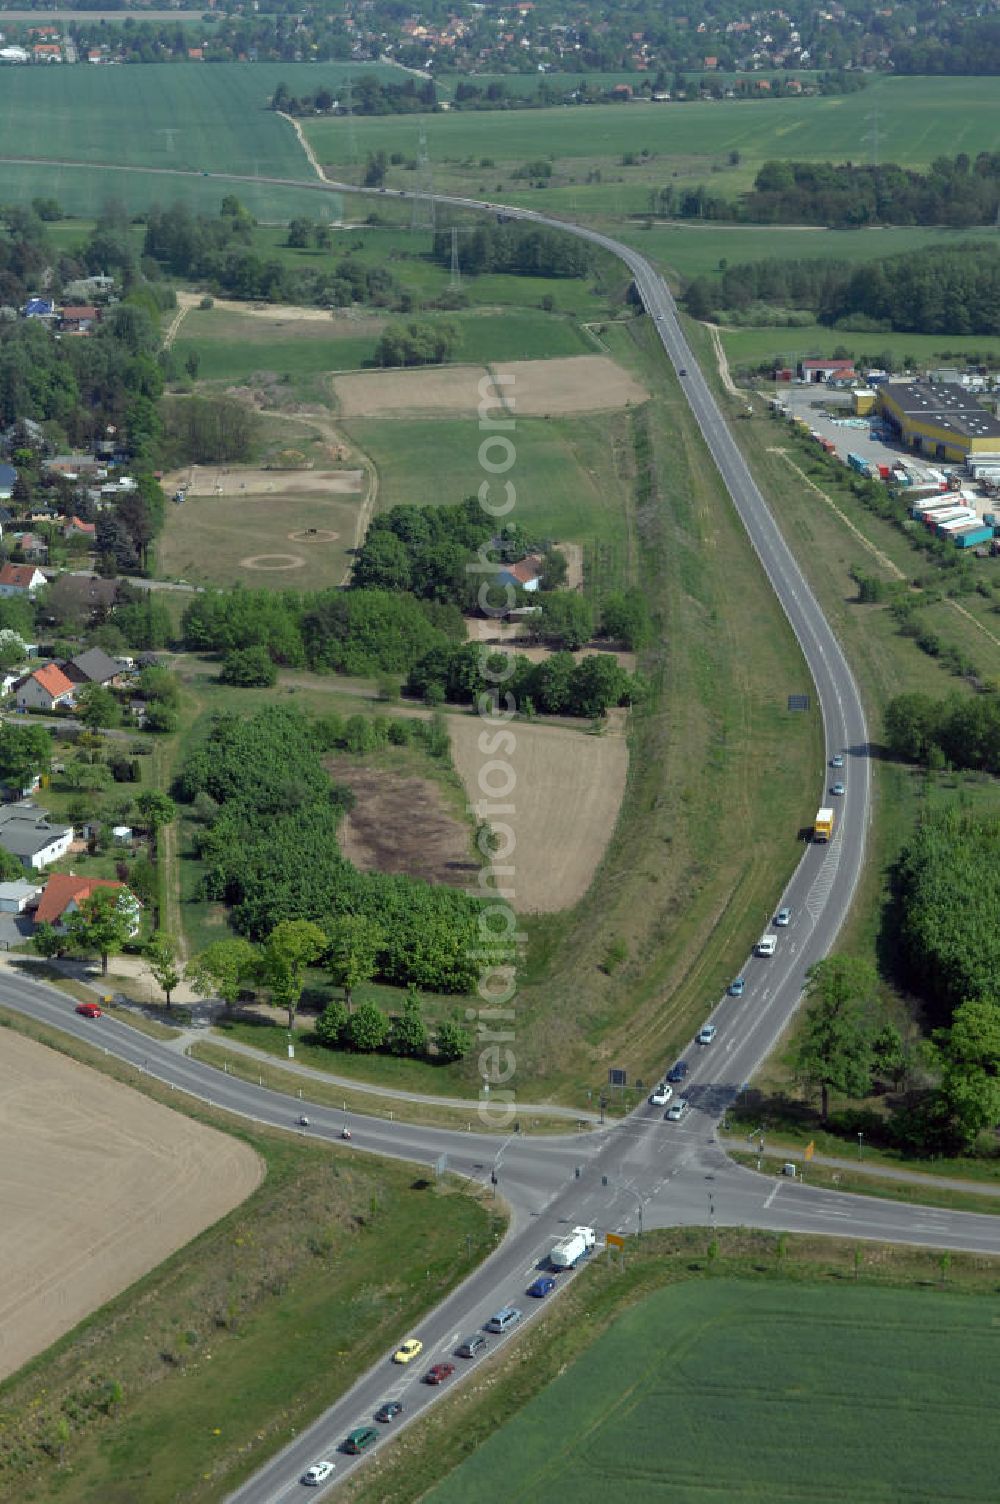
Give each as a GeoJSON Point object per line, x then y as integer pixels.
{"type": "Point", "coordinates": [557, 686]}
{"type": "Point", "coordinates": [428, 551]}
{"type": "Point", "coordinates": [217, 250]}
{"type": "Point", "coordinates": [267, 842]}
{"type": "Point", "coordinates": [959, 731]}
{"type": "Point", "coordinates": [332, 631]}
{"type": "Point", "coordinates": [518, 249]}
{"type": "Point", "coordinates": [935, 290]}
{"type": "Point", "coordinates": [417, 343]}
{"type": "Point", "coordinates": [966, 47]}
{"type": "Point", "coordinates": [368, 96]}
{"type": "Point", "coordinates": [955, 191]}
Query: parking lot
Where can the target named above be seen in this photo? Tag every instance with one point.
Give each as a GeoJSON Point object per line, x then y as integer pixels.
{"type": "Point", "coordinates": [812, 404]}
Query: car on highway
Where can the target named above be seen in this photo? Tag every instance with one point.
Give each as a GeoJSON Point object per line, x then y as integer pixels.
{"type": "Point", "coordinates": [360, 1440]}
{"type": "Point", "coordinates": [439, 1373]}
{"type": "Point", "coordinates": [767, 945]}
{"type": "Point", "coordinates": [837, 761]}
{"type": "Point", "coordinates": [682, 371]}
{"type": "Point", "coordinates": [504, 1320]}
{"type": "Point", "coordinates": [737, 988]}
{"type": "Point", "coordinates": [389, 1411]}
{"type": "Point", "coordinates": [471, 1346]}
{"type": "Point", "coordinates": [318, 1473]}
{"type": "Point", "coordinates": [411, 1348]}
{"type": "Point", "coordinates": [543, 1286]}
{"type": "Point", "coordinates": [783, 917]}
{"type": "Point", "coordinates": [89, 1010]}
{"type": "Point", "coordinates": [706, 1034]}
{"type": "Point", "coordinates": [677, 1110]}
{"type": "Point", "coordinates": [660, 1095]}
{"type": "Point", "coordinates": [678, 1072]}
{"type": "Point", "coordinates": [838, 789]}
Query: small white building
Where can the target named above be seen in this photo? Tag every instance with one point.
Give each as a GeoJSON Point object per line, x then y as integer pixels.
{"type": "Point", "coordinates": [121, 835]}
{"type": "Point", "coordinates": [16, 896]}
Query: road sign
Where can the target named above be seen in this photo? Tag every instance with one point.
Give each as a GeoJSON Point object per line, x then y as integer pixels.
{"type": "Point", "coordinates": [440, 1165]}
{"type": "Point", "coordinates": [616, 1076]}
{"type": "Point", "coordinates": [810, 1149]}
{"type": "Point", "coordinates": [612, 1240]}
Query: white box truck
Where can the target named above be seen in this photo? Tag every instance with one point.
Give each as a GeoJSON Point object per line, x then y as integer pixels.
{"type": "Point", "coordinates": [568, 1253]}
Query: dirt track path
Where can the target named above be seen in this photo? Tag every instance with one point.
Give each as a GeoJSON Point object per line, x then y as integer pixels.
{"type": "Point", "coordinates": [185, 302]}
{"type": "Point", "coordinates": [310, 154]}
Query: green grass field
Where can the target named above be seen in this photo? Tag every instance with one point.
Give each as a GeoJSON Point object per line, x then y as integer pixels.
{"type": "Point", "coordinates": [919, 119]}
{"type": "Point", "coordinates": [727, 1393]}
{"type": "Point", "coordinates": [684, 250]}
{"type": "Point", "coordinates": [748, 347]}
{"type": "Point", "coordinates": [569, 487]}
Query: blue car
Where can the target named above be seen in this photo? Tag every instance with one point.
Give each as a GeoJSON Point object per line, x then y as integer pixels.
{"type": "Point", "coordinates": [736, 989]}
{"type": "Point", "coordinates": [542, 1287]}
{"type": "Point", "coordinates": [678, 1072]}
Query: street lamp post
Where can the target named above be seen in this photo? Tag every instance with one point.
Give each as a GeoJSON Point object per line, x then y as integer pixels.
{"type": "Point", "coordinates": [860, 1139]}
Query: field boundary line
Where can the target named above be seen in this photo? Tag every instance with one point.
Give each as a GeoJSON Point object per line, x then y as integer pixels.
{"type": "Point", "coordinates": [310, 154]}
{"type": "Point", "coordinates": [872, 548]}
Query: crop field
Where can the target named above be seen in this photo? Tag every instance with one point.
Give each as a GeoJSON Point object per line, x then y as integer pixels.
{"type": "Point", "coordinates": [569, 787]}
{"type": "Point", "coordinates": [98, 1193]}
{"type": "Point", "coordinates": [533, 388]}
{"type": "Point", "coordinates": [723, 1392]}
{"type": "Point", "coordinates": [565, 473]}
{"type": "Point", "coordinates": [919, 119]}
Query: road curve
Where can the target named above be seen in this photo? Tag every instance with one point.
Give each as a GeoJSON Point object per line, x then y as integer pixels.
{"type": "Point", "coordinates": [644, 1171]}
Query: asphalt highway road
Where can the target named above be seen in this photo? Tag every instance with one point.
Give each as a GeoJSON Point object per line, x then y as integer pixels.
{"type": "Point", "coordinates": [644, 1172]}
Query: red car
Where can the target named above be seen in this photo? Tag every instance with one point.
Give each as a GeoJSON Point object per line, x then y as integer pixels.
{"type": "Point", "coordinates": [439, 1373]}
{"type": "Point", "coordinates": [89, 1010]}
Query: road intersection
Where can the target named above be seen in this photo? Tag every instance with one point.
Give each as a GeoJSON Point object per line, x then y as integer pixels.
{"type": "Point", "coordinates": [644, 1172]}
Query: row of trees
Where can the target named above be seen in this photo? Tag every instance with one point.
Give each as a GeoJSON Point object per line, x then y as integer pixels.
{"type": "Point", "coordinates": [267, 840]}
{"type": "Point", "coordinates": [955, 191]}
{"type": "Point", "coordinates": [958, 730]}
{"type": "Point", "coordinates": [330, 631]}
{"type": "Point", "coordinates": [518, 249]}
{"type": "Point", "coordinates": [937, 290]}
{"type": "Point", "coordinates": [557, 686]}
{"type": "Point", "coordinates": [950, 1081]}
{"type": "Point", "coordinates": [368, 96]}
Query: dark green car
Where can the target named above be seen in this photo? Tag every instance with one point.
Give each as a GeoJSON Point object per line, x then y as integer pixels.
{"type": "Point", "coordinates": [361, 1439]}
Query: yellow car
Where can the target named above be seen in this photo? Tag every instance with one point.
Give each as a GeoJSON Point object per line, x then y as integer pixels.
{"type": "Point", "coordinates": [410, 1349]}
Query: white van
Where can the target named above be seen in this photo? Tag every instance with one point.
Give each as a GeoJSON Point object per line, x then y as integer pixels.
{"type": "Point", "coordinates": [504, 1320]}
{"type": "Point", "coordinates": [767, 945]}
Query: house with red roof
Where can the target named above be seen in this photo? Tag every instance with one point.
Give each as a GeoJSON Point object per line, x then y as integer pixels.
{"type": "Point", "coordinates": [44, 689]}
{"type": "Point", "coordinates": [64, 894]}
{"type": "Point", "coordinates": [20, 579]}
{"type": "Point", "coordinates": [526, 574]}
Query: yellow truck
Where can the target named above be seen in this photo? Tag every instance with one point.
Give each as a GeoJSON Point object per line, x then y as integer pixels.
{"type": "Point", "coordinates": [823, 825]}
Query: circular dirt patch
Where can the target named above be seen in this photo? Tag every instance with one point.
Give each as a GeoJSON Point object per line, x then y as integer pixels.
{"type": "Point", "coordinates": [273, 561]}
{"type": "Point", "coordinates": [314, 535]}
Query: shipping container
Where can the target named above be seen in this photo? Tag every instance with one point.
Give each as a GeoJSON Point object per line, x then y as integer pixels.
{"type": "Point", "coordinates": [969, 537]}
{"type": "Point", "coordinates": [857, 463]}
{"type": "Point", "coordinates": [955, 525]}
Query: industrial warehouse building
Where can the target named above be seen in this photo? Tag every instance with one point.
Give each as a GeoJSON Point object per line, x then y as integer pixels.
{"type": "Point", "coordinates": [938, 419]}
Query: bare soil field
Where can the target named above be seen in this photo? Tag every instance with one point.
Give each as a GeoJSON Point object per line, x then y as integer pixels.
{"type": "Point", "coordinates": [292, 537]}
{"type": "Point", "coordinates": [256, 322]}
{"type": "Point", "coordinates": [571, 384]}
{"type": "Point", "coordinates": [100, 1185]}
{"type": "Point", "coordinates": [402, 824]}
{"type": "Point", "coordinates": [567, 792]}
{"type": "Point", "coordinates": [237, 480]}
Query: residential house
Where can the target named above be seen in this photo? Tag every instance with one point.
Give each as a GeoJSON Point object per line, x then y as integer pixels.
{"type": "Point", "coordinates": [27, 833]}
{"type": "Point", "coordinates": [73, 527]}
{"type": "Point", "coordinates": [93, 667]}
{"type": "Point", "coordinates": [526, 574]}
{"type": "Point", "coordinates": [39, 308]}
{"type": "Point", "coordinates": [47, 52]}
{"type": "Point", "coordinates": [79, 318]}
{"type": "Point", "coordinates": [34, 548]}
{"type": "Point", "coordinates": [78, 601]}
{"type": "Point", "coordinates": [45, 688]}
{"type": "Point", "coordinates": [64, 894]}
{"type": "Point", "coordinates": [20, 579]}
